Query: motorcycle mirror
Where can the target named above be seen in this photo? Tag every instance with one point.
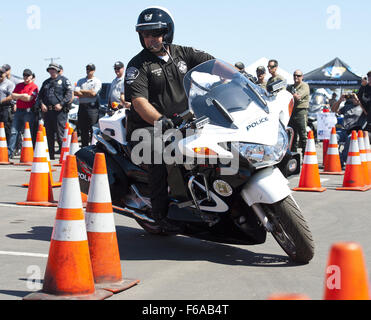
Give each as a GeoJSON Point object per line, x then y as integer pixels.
{"type": "Point", "coordinates": [276, 86]}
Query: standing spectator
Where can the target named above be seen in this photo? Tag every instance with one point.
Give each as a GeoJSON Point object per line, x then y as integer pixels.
{"type": "Point", "coordinates": [241, 67]}
{"type": "Point", "coordinates": [55, 95]}
{"type": "Point", "coordinates": [87, 90]}
{"type": "Point", "coordinates": [364, 81]}
{"type": "Point", "coordinates": [260, 73]}
{"type": "Point", "coordinates": [298, 121]}
{"type": "Point", "coordinates": [6, 89]}
{"type": "Point", "coordinates": [354, 119]}
{"type": "Point", "coordinates": [117, 90]}
{"type": "Point", "coordinates": [25, 94]}
{"type": "Point", "coordinates": [272, 68]}
{"type": "Point", "coordinates": [9, 75]}
{"type": "Point", "coordinates": [364, 96]}
{"type": "Point", "coordinates": [333, 100]}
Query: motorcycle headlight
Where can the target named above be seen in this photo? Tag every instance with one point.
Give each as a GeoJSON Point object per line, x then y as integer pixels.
{"type": "Point", "coordinates": [261, 156]}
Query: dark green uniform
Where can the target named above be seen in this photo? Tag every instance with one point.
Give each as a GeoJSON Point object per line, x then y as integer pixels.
{"type": "Point", "coordinates": [298, 120]}
{"type": "Point", "coordinates": [274, 79]}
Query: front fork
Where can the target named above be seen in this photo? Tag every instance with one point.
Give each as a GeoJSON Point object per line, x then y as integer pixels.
{"type": "Point", "coordinates": [266, 186]}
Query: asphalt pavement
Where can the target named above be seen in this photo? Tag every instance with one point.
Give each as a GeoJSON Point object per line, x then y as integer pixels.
{"type": "Point", "coordinates": [182, 268]}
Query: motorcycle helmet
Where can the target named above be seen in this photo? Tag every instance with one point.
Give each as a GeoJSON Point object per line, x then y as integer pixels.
{"type": "Point", "coordinates": [156, 18]}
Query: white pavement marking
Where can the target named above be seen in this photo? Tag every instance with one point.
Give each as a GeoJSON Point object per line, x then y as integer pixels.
{"type": "Point", "coordinates": [8, 205]}
{"type": "Point", "coordinates": [12, 253]}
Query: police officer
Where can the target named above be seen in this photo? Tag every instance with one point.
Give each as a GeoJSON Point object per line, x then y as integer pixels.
{"type": "Point", "coordinates": [154, 86]}
{"type": "Point", "coordinates": [87, 90]}
{"type": "Point", "coordinates": [54, 98]}
{"type": "Point", "coordinates": [241, 68]}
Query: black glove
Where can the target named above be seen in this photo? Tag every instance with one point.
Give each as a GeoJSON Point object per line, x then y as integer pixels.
{"type": "Point", "coordinates": [166, 123]}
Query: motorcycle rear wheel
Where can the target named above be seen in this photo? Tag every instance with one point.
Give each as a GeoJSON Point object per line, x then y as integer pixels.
{"type": "Point", "coordinates": [290, 230]}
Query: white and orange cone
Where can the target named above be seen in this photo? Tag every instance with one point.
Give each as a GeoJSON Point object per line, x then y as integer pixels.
{"type": "Point", "coordinates": [66, 152]}
{"type": "Point", "coordinates": [4, 155]}
{"type": "Point", "coordinates": [69, 273]}
{"type": "Point", "coordinates": [354, 172]}
{"type": "Point", "coordinates": [39, 192]}
{"type": "Point", "coordinates": [332, 163]}
{"type": "Point", "coordinates": [27, 148]}
{"type": "Point", "coordinates": [100, 225]}
{"type": "Point", "coordinates": [368, 152]}
{"type": "Point", "coordinates": [64, 144]}
{"type": "Point", "coordinates": [309, 178]}
{"type": "Point", "coordinates": [74, 147]}
{"type": "Point", "coordinates": [363, 155]}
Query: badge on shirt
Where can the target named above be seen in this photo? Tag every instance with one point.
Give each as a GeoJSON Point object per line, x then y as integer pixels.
{"type": "Point", "coordinates": [60, 82]}
{"type": "Point", "coordinates": [131, 74]}
{"type": "Point", "coordinates": [182, 66]}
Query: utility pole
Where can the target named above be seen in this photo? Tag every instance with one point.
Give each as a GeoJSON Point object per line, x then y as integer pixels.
{"type": "Point", "coordinates": [51, 59]}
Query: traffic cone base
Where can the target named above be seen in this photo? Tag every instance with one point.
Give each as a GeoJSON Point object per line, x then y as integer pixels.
{"type": "Point", "coordinates": [117, 287]}
{"type": "Point", "coordinates": [97, 295]}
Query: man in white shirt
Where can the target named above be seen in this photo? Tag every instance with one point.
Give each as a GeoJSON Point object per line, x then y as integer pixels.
{"type": "Point", "coordinates": [87, 89]}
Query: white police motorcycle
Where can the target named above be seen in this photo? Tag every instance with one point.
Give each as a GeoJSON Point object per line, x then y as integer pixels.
{"type": "Point", "coordinates": [222, 159]}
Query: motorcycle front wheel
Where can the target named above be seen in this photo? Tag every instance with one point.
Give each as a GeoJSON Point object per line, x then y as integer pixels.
{"type": "Point", "coordinates": [290, 230]}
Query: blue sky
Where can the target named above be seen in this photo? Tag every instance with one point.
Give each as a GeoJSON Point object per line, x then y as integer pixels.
{"type": "Point", "coordinates": [299, 35]}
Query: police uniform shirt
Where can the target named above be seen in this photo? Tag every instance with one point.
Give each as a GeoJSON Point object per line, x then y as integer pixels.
{"type": "Point", "coordinates": [89, 84]}
{"type": "Point", "coordinates": [56, 91]}
{"type": "Point", "coordinates": [6, 88]}
{"type": "Point", "coordinates": [117, 88]}
{"type": "Point", "coordinates": [160, 81]}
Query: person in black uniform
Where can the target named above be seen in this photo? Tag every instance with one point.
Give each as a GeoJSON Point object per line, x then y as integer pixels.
{"type": "Point", "coordinates": [54, 98]}
{"type": "Point", "coordinates": [154, 86]}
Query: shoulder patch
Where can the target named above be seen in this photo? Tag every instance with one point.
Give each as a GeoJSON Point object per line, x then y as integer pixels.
{"type": "Point", "coordinates": [131, 74]}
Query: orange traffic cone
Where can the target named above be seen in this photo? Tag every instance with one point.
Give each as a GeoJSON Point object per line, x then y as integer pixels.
{"type": "Point", "coordinates": [354, 172]}
{"type": "Point", "coordinates": [309, 178]}
{"type": "Point", "coordinates": [100, 225]}
{"type": "Point", "coordinates": [4, 155]}
{"type": "Point", "coordinates": [332, 160]}
{"type": "Point", "coordinates": [66, 152]}
{"type": "Point", "coordinates": [69, 273]}
{"type": "Point", "coordinates": [363, 155]}
{"type": "Point", "coordinates": [65, 145]}
{"type": "Point", "coordinates": [39, 192]}
{"type": "Point", "coordinates": [74, 147]}
{"type": "Point", "coordinates": [27, 148]}
{"type": "Point", "coordinates": [346, 274]}
{"type": "Point", "coordinates": [368, 152]}
{"type": "Point", "coordinates": [288, 296]}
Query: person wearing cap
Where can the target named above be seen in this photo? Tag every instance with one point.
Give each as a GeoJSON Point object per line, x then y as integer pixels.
{"type": "Point", "coordinates": [25, 95]}
{"type": "Point", "coordinates": [54, 98]}
{"type": "Point", "coordinates": [87, 89]}
{"type": "Point", "coordinates": [260, 74]}
{"type": "Point", "coordinates": [6, 90]}
{"type": "Point", "coordinates": [117, 89]}
{"type": "Point", "coordinates": [241, 68]}
{"type": "Point", "coordinates": [8, 70]}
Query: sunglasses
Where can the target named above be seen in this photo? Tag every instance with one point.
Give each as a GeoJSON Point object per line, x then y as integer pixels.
{"type": "Point", "coordinates": [153, 33]}
{"type": "Point", "coordinates": [298, 75]}
{"type": "Point", "coordinates": [117, 69]}
{"type": "Point", "coordinates": [27, 75]}
{"type": "Point", "coordinates": [271, 67]}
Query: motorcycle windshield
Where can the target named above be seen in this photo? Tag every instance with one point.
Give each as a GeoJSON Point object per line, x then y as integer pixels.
{"type": "Point", "coordinates": [216, 89]}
